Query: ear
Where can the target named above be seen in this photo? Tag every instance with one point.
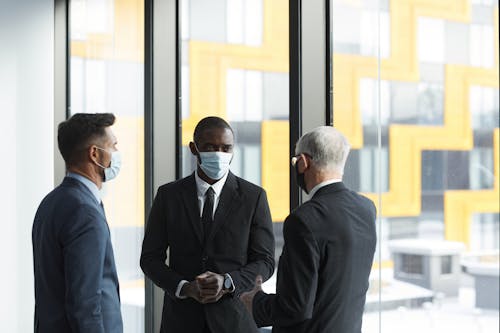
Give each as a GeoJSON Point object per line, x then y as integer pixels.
{"type": "Point", "coordinates": [192, 147]}
{"type": "Point", "coordinates": [305, 163]}
{"type": "Point", "coordinates": [92, 153]}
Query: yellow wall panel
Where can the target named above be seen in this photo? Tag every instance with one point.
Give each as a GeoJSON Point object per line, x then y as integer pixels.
{"type": "Point", "coordinates": [209, 63]}
{"type": "Point", "coordinates": [124, 43]}
{"type": "Point", "coordinates": [406, 143]}
{"type": "Point", "coordinates": [208, 67]}
{"type": "Point", "coordinates": [275, 167]}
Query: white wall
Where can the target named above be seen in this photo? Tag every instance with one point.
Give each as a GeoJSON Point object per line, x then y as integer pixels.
{"type": "Point", "coordinates": [26, 134]}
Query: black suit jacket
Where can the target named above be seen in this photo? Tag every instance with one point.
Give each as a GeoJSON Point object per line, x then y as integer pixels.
{"type": "Point", "coordinates": [76, 285]}
{"type": "Point", "coordinates": [324, 268]}
{"type": "Point", "coordinates": [240, 243]}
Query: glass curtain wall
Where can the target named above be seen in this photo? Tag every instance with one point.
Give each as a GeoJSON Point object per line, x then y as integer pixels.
{"type": "Point", "coordinates": [107, 75]}
{"type": "Point", "coordinates": [416, 90]}
{"type": "Point", "coordinates": [235, 66]}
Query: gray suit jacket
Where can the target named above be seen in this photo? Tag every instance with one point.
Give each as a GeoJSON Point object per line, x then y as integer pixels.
{"type": "Point", "coordinates": [76, 285]}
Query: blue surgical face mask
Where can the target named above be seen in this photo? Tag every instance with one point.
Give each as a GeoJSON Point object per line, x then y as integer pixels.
{"type": "Point", "coordinates": [215, 164]}
{"type": "Point", "coordinates": [114, 167]}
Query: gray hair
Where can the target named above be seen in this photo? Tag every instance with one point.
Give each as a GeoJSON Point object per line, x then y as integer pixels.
{"type": "Point", "coordinates": [327, 147]}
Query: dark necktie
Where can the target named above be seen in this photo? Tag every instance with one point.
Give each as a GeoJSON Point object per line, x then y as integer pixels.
{"type": "Point", "coordinates": [208, 208]}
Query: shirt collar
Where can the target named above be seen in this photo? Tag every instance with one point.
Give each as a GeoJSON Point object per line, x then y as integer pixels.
{"type": "Point", "coordinates": [323, 184]}
{"type": "Point", "coordinates": [88, 183]}
{"type": "Point", "coordinates": [202, 186]}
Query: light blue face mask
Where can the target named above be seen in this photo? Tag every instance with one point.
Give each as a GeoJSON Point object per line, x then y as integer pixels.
{"type": "Point", "coordinates": [114, 167]}
{"type": "Point", "coordinates": [215, 164]}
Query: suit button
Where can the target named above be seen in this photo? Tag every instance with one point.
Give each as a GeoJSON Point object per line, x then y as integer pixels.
{"type": "Point", "coordinates": [205, 258]}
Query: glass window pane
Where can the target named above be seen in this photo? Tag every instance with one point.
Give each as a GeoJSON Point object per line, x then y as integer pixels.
{"type": "Point", "coordinates": [244, 80]}
{"type": "Point", "coordinates": [485, 231]}
{"type": "Point", "coordinates": [430, 97]}
{"type": "Point", "coordinates": [107, 75]}
{"type": "Point", "coordinates": [481, 48]}
{"type": "Point", "coordinates": [254, 20]}
{"type": "Point", "coordinates": [431, 40]}
{"type": "Point", "coordinates": [481, 171]}
{"type": "Point", "coordinates": [446, 264]}
{"type": "Point", "coordinates": [484, 107]}
{"type": "Point", "coordinates": [412, 264]}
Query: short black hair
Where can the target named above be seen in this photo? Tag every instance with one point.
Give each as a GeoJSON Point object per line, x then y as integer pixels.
{"type": "Point", "coordinates": [209, 123]}
{"type": "Point", "coordinates": [78, 132]}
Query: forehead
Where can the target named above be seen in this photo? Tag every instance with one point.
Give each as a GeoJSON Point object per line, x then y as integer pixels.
{"type": "Point", "coordinates": [216, 135]}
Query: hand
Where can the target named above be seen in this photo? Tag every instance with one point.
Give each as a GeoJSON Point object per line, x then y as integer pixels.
{"type": "Point", "coordinates": [210, 285]}
{"type": "Point", "coordinates": [247, 297]}
{"type": "Point", "coordinates": [191, 290]}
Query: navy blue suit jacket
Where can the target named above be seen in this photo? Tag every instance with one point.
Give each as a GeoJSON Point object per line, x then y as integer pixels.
{"type": "Point", "coordinates": [76, 284]}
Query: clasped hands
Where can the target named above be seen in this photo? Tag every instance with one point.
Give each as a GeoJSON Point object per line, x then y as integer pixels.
{"type": "Point", "coordinates": [205, 288]}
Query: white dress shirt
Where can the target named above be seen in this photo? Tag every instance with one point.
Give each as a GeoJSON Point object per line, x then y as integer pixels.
{"type": "Point", "coordinates": [201, 188]}
{"type": "Point", "coordinates": [322, 184]}
{"type": "Point", "coordinates": [88, 183]}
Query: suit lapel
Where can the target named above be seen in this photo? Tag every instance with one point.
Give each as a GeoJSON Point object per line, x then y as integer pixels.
{"type": "Point", "coordinates": [229, 198]}
{"type": "Point", "coordinates": [190, 199]}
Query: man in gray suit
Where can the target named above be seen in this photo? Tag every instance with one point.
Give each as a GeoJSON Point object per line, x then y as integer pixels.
{"type": "Point", "coordinates": [76, 284]}
{"type": "Point", "coordinates": [328, 251]}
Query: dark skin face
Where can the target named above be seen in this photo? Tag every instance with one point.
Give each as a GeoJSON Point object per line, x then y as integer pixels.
{"type": "Point", "coordinates": [210, 140]}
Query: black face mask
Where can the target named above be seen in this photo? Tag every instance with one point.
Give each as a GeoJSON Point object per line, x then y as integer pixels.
{"type": "Point", "coordinates": [300, 179]}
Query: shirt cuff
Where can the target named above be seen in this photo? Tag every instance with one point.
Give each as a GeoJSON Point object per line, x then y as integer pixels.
{"type": "Point", "coordinates": [179, 288]}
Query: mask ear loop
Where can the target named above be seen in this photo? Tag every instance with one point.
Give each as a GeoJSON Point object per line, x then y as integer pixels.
{"type": "Point", "coordinates": [99, 163]}
{"type": "Point", "coordinates": [198, 157]}
{"type": "Point", "coordinates": [196, 146]}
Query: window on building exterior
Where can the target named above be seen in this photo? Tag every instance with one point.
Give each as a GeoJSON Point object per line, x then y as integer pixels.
{"type": "Point", "coordinates": [416, 89]}
{"type": "Point", "coordinates": [107, 75]}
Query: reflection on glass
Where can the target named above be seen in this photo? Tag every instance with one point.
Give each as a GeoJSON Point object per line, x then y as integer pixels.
{"type": "Point", "coordinates": [412, 264]}
{"type": "Point", "coordinates": [485, 231]}
{"type": "Point", "coordinates": [424, 76]}
{"type": "Point", "coordinates": [107, 75]}
{"type": "Point", "coordinates": [235, 66]}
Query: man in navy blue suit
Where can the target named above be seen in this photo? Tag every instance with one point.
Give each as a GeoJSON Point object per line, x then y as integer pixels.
{"type": "Point", "coordinates": [76, 284]}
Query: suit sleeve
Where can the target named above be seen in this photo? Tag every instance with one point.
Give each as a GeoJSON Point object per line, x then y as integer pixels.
{"type": "Point", "coordinates": [297, 281]}
{"type": "Point", "coordinates": [84, 248]}
{"type": "Point", "coordinates": [260, 252]}
{"type": "Point", "coordinates": [154, 249]}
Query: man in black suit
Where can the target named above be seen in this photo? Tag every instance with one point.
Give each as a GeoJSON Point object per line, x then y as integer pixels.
{"type": "Point", "coordinates": [328, 251]}
{"type": "Point", "coordinates": [218, 230]}
{"type": "Point", "coordinates": [76, 285]}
